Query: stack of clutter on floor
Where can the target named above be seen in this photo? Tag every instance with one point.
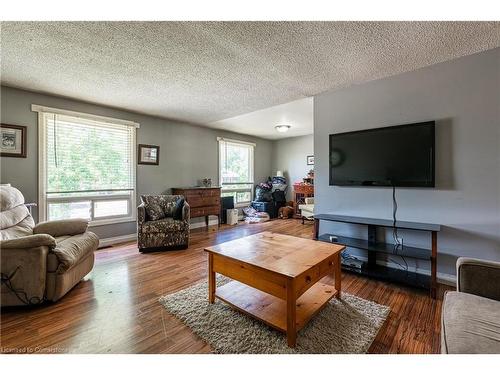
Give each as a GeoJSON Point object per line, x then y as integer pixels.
{"type": "Point", "coordinates": [253, 216]}
{"type": "Point", "coordinates": [270, 195]}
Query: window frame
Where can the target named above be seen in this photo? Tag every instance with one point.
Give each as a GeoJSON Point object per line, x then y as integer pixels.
{"type": "Point", "coordinates": [43, 199]}
{"type": "Point", "coordinates": [251, 147]}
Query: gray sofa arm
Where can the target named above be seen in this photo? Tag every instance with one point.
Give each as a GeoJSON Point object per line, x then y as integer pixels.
{"type": "Point", "coordinates": [186, 211]}
{"type": "Point", "coordinates": [28, 242]}
{"type": "Point", "coordinates": [66, 227]}
{"type": "Point", "coordinates": [479, 277]}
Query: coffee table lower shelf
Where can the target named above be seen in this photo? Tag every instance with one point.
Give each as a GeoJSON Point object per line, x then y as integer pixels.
{"type": "Point", "coordinates": [272, 310]}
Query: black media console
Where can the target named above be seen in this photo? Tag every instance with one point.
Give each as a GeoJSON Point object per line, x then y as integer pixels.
{"type": "Point", "coordinates": [374, 247]}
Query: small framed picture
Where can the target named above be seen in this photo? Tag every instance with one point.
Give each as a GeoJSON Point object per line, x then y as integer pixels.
{"type": "Point", "coordinates": [13, 140]}
{"type": "Point", "coordinates": [310, 160]}
{"type": "Point", "coordinates": [149, 154]}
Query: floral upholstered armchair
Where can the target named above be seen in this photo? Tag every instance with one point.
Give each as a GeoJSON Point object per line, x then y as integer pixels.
{"type": "Point", "coordinates": [162, 222]}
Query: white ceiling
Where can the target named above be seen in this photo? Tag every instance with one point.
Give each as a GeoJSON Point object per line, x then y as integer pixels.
{"type": "Point", "coordinates": [203, 72]}
{"type": "Point", "coordinates": [298, 114]}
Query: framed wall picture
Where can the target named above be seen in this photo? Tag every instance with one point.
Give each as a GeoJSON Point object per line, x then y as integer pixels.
{"type": "Point", "coordinates": [149, 154]}
{"type": "Point", "coordinates": [310, 160]}
{"type": "Point", "coordinates": [13, 140]}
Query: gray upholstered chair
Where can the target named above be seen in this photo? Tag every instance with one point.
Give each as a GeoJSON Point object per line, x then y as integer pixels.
{"type": "Point", "coordinates": [162, 222]}
{"type": "Point", "coordinates": [40, 262]}
{"type": "Point", "coordinates": [470, 320]}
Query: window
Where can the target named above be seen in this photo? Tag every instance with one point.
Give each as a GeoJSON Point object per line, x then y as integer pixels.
{"type": "Point", "coordinates": [87, 167]}
{"type": "Point", "coordinates": [236, 170]}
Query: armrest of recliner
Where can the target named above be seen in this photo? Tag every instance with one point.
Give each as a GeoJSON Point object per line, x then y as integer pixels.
{"type": "Point", "coordinates": [24, 269]}
{"type": "Point", "coordinates": [27, 242]}
{"type": "Point", "coordinates": [479, 277]}
{"type": "Point", "coordinates": [66, 227]}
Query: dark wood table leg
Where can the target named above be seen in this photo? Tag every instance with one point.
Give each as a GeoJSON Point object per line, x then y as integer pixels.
{"type": "Point", "coordinates": [316, 229]}
{"type": "Point", "coordinates": [434, 265]}
{"type": "Point", "coordinates": [211, 279]}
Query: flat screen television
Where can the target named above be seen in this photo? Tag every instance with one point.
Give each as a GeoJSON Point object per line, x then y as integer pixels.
{"type": "Point", "coordinates": [400, 155]}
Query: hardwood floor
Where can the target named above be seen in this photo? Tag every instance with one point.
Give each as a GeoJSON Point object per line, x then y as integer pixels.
{"type": "Point", "coordinates": [116, 310]}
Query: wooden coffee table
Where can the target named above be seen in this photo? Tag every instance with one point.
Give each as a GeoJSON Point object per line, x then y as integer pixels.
{"type": "Point", "coordinates": [276, 278]}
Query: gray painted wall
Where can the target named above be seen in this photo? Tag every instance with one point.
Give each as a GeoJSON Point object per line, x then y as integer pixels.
{"type": "Point", "coordinates": [187, 153]}
{"type": "Point", "coordinates": [290, 157]}
{"type": "Point", "coordinates": [463, 96]}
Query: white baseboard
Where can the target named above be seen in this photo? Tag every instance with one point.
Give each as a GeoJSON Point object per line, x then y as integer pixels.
{"type": "Point", "coordinates": [442, 278]}
{"type": "Point", "coordinates": [202, 224]}
{"type": "Point", "coordinates": [447, 279]}
{"type": "Point", "coordinates": [103, 242]}
{"type": "Point", "coordinates": [211, 221]}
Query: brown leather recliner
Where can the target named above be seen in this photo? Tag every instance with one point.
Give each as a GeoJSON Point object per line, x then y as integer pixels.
{"type": "Point", "coordinates": [40, 262]}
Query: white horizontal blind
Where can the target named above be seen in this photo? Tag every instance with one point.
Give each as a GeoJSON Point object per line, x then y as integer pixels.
{"type": "Point", "coordinates": [236, 170]}
{"type": "Point", "coordinates": [87, 168]}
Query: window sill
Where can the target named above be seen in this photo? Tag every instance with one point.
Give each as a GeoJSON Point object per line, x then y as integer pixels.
{"type": "Point", "coordinates": [98, 223]}
{"type": "Point", "coordinates": [242, 205]}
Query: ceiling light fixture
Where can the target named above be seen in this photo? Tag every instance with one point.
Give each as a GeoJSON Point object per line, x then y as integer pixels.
{"type": "Point", "coordinates": [283, 128]}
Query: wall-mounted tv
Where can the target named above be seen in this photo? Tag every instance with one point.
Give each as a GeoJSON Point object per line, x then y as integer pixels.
{"type": "Point", "coordinates": [400, 155]}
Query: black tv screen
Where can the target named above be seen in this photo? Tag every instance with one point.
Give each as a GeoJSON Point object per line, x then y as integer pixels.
{"type": "Point", "coordinates": [392, 156]}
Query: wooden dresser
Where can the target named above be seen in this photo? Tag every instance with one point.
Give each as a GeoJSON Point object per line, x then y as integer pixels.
{"type": "Point", "coordinates": [202, 201]}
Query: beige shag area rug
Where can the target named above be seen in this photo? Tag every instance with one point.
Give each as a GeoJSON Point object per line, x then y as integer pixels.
{"type": "Point", "coordinates": [343, 326]}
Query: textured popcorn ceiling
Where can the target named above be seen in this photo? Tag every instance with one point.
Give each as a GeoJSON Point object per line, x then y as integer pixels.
{"type": "Point", "coordinates": [202, 72]}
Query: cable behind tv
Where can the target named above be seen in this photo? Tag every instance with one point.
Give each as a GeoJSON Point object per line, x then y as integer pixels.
{"type": "Point", "coordinates": [397, 244]}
